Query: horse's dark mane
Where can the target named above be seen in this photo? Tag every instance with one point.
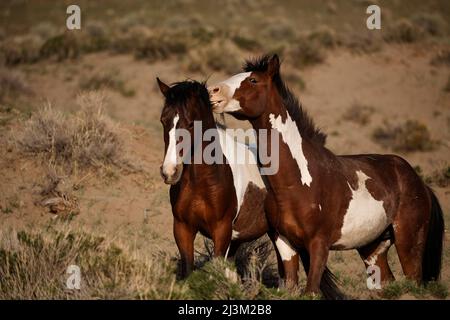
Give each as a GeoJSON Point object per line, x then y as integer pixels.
{"type": "Point", "coordinates": [304, 122]}
{"type": "Point", "coordinates": [180, 92]}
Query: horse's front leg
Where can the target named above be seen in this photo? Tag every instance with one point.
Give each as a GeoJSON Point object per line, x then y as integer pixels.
{"type": "Point", "coordinates": [288, 261]}
{"type": "Point", "coordinates": [222, 238]}
{"type": "Point", "coordinates": [184, 237]}
{"type": "Point", "coordinates": [318, 251]}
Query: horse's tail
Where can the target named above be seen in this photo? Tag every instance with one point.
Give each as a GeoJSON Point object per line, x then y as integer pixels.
{"type": "Point", "coordinates": [328, 286]}
{"type": "Point", "coordinates": [432, 257]}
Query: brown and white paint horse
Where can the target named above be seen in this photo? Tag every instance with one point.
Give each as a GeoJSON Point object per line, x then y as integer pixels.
{"type": "Point", "coordinates": [223, 201]}
{"type": "Point", "coordinates": [319, 201]}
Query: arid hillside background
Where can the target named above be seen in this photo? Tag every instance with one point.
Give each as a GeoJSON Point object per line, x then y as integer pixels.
{"type": "Point", "coordinates": [81, 142]}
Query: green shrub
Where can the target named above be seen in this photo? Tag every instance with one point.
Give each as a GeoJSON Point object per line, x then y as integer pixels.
{"type": "Point", "coordinates": [442, 58]}
{"type": "Point", "coordinates": [325, 36]}
{"type": "Point", "coordinates": [246, 43]}
{"type": "Point", "coordinates": [447, 86]}
{"type": "Point", "coordinates": [440, 177]}
{"type": "Point", "coordinates": [215, 281]}
{"type": "Point", "coordinates": [61, 47]}
{"type": "Point", "coordinates": [295, 80]}
{"type": "Point", "coordinates": [396, 289]}
{"type": "Point", "coordinates": [305, 53]}
{"type": "Point", "coordinates": [359, 114]}
{"type": "Point", "coordinates": [12, 85]}
{"type": "Point", "coordinates": [362, 42]}
{"type": "Point", "coordinates": [161, 47]}
{"type": "Point", "coordinates": [431, 24]}
{"type": "Point", "coordinates": [20, 50]}
{"type": "Point", "coordinates": [110, 80]}
{"type": "Point", "coordinates": [218, 56]}
{"type": "Point", "coordinates": [403, 31]}
{"type": "Point", "coordinates": [408, 137]}
{"type": "Point", "coordinates": [95, 37]}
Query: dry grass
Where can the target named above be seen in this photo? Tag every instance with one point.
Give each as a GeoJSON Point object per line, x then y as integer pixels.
{"type": "Point", "coordinates": [409, 136]}
{"type": "Point", "coordinates": [359, 114]}
{"type": "Point", "coordinates": [442, 58]}
{"type": "Point", "coordinates": [86, 139]}
{"type": "Point", "coordinates": [60, 47]}
{"type": "Point", "coordinates": [22, 49]}
{"type": "Point", "coordinates": [109, 80]}
{"type": "Point", "coordinates": [306, 53]}
{"type": "Point", "coordinates": [418, 27]}
{"type": "Point", "coordinates": [362, 42]}
{"type": "Point", "coordinates": [430, 24]}
{"type": "Point", "coordinates": [403, 31]}
{"type": "Point", "coordinates": [325, 36]}
{"type": "Point", "coordinates": [12, 84]}
{"type": "Point", "coordinates": [447, 86]}
{"type": "Point", "coordinates": [440, 177]}
{"type": "Point", "coordinates": [33, 265]}
{"type": "Point", "coordinates": [213, 58]}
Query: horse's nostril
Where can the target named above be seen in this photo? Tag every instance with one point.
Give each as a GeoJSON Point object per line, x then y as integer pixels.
{"type": "Point", "coordinates": [216, 89]}
{"type": "Point", "coordinates": [163, 175]}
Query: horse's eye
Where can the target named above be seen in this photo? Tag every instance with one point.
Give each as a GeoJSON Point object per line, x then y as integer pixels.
{"type": "Point", "coordinates": [252, 80]}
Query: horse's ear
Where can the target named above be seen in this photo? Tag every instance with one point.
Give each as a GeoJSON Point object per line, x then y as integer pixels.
{"type": "Point", "coordinates": [274, 65]}
{"type": "Point", "coordinates": [163, 87]}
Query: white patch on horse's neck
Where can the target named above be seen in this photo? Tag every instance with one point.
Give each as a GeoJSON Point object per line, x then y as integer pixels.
{"type": "Point", "coordinates": [291, 136]}
{"type": "Point", "coordinates": [243, 172]}
{"type": "Point", "coordinates": [284, 248]}
{"type": "Point", "coordinates": [233, 84]}
{"type": "Point", "coordinates": [365, 218]}
{"type": "Point", "coordinates": [170, 160]}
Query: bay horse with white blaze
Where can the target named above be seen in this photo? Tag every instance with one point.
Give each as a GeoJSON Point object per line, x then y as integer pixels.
{"type": "Point", "coordinates": [319, 201]}
{"type": "Point", "coordinates": [223, 201]}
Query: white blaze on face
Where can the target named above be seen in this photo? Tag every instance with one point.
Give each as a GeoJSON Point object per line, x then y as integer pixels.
{"type": "Point", "coordinates": [291, 136]}
{"type": "Point", "coordinates": [365, 218]}
{"type": "Point", "coordinates": [170, 160]}
{"type": "Point", "coordinates": [284, 248]}
{"type": "Point", "coordinates": [232, 84]}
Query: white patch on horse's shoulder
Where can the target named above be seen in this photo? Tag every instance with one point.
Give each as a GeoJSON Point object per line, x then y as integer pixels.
{"type": "Point", "coordinates": [320, 207]}
{"type": "Point", "coordinates": [243, 172]}
{"type": "Point", "coordinates": [291, 136]}
{"type": "Point", "coordinates": [234, 235]}
{"type": "Point", "coordinates": [284, 248]}
{"type": "Point", "coordinates": [365, 218]}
